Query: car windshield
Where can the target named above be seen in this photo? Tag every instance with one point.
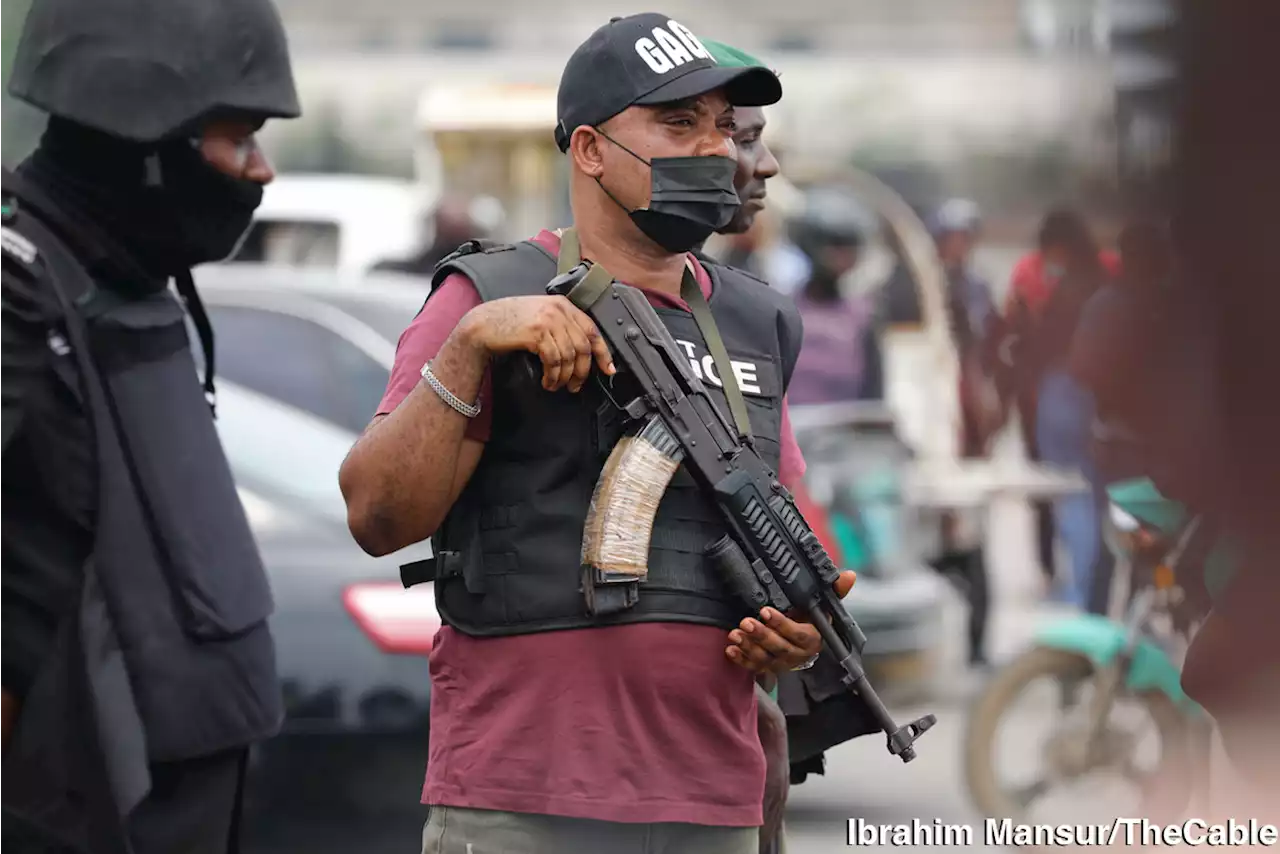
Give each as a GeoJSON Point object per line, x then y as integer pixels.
{"type": "Point", "coordinates": [282, 453]}
{"type": "Point", "coordinates": [386, 316]}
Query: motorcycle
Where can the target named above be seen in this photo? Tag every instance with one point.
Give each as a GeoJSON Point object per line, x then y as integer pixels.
{"type": "Point", "coordinates": [1176, 567]}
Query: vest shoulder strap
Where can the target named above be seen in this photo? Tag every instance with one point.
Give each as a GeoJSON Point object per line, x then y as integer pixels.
{"type": "Point", "coordinates": [36, 247]}
{"type": "Point", "coordinates": [499, 270]}
{"type": "Point", "coordinates": [737, 285]}
{"type": "Point", "coordinates": [708, 261]}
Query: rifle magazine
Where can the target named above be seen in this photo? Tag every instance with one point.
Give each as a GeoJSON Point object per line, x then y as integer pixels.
{"type": "Point", "coordinates": [615, 540]}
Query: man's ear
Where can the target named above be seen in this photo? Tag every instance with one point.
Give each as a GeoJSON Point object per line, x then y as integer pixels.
{"type": "Point", "coordinates": [587, 151]}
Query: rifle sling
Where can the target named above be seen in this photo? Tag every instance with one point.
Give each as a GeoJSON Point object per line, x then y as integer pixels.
{"type": "Point", "coordinates": [570, 251]}
{"type": "Point", "coordinates": [719, 355]}
{"type": "Point", "coordinates": [598, 280]}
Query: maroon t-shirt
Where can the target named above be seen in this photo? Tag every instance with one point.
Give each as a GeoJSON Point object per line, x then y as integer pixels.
{"type": "Point", "coordinates": [638, 723]}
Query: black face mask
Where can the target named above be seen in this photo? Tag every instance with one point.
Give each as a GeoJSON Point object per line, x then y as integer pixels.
{"type": "Point", "coordinates": [690, 198]}
{"type": "Point", "coordinates": [209, 212]}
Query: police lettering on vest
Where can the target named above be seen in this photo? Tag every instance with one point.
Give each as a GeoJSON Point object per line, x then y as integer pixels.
{"type": "Point", "coordinates": [670, 48]}
{"type": "Point", "coordinates": [704, 368]}
{"type": "Point", "coordinates": [508, 554]}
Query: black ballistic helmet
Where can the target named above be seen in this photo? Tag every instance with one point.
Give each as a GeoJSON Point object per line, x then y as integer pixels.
{"type": "Point", "coordinates": [148, 70]}
{"type": "Point", "coordinates": [831, 216]}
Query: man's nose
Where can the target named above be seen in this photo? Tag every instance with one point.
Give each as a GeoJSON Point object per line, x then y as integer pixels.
{"type": "Point", "coordinates": [718, 143]}
{"type": "Point", "coordinates": [767, 166]}
{"type": "Point", "coordinates": [258, 167]}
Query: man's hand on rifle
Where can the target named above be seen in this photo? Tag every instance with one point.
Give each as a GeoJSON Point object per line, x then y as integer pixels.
{"type": "Point", "coordinates": [551, 328]}
{"type": "Point", "coordinates": [776, 642]}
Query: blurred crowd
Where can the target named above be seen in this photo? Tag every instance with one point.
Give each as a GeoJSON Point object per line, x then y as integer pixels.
{"type": "Point", "coordinates": [1014, 357]}
{"type": "Point", "coordinates": [1111, 363]}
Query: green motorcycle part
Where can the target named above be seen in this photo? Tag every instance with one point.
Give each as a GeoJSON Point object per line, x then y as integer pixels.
{"type": "Point", "coordinates": [1101, 640]}
{"type": "Point", "coordinates": [1139, 498]}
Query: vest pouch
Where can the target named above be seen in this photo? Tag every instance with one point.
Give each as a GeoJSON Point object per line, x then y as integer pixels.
{"type": "Point", "coordinates": [179, 470]}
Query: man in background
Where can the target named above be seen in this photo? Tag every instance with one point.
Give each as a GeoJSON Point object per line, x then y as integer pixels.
{"type": "Point", "coordinates": [1030, 288]}
{"type": "Point", "coordinates": [973, 319]}
{"type": "Point", "coordinates": [451, 224]}
{"type": "Point", "coordinates": [756, 165]}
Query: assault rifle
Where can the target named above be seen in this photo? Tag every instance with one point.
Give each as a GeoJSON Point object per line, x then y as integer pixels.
{"type": "Point", "coordinates": [771, 557]}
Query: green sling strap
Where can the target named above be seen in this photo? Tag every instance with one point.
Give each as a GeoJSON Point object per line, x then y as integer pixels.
{"type": "Point", "coordinates": [597, 281]}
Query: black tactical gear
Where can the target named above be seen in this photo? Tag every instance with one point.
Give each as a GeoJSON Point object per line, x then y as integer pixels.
{"type": "Point", "coordinates": [164, 654]}
{"type": "Point", "coordinates": [509, 552]}
{"type": "Point", "coordinates": [151, 71]}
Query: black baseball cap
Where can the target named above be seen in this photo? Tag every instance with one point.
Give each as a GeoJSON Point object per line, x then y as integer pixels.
{"type": "Point", "coordinates": [648, 59]}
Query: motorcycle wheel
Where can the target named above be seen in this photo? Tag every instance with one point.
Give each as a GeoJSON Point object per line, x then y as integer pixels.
{"type": "Point", "coordinates": [1169, 786]}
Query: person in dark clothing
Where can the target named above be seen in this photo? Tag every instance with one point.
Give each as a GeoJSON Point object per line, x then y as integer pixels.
{"type": "Point", "coordinates": [452, 224]}
{"type": "Point", "coordinates": [138, 666]}
{"type": "Point", "coordinates": [975, 323]}
{"type": "Point", "coordinates": [971, 312]}
{"type": "Point", "coordinates": [1119, 347]}
{"type": "Point", "coordinates": [1064, 408]}
{"type": "Point", "coordinates": [841, 360]}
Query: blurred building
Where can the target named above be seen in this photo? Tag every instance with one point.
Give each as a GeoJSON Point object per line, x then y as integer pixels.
{"type": "Point", "coordinates": [1143, 47]}
{"type": "Point", "coordinates": [889, 80]}
{"type": "Point", "coordinates": [821, 26]}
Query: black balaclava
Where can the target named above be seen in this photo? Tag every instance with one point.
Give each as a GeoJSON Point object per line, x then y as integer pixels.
{"type": "Point", "coordinates": [165, 207]}
{"type": "Point", "coordinates": [161, 205]}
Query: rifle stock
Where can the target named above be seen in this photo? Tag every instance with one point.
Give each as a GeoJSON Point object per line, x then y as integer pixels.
{"type": "Point", "coordinates": [770, 557]}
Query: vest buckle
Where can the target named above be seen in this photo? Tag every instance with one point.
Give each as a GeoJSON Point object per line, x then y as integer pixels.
{"type": "Point", "coordinates": [439, 566]}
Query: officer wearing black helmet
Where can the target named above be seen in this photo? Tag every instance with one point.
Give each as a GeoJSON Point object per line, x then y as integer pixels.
{"type": "Point", "coordinates": [831, 229]}
{"type": "Point", "coordinates": [138, 666]}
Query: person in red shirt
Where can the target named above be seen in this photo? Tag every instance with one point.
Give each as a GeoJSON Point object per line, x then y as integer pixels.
{"type": "Point", "coordinates": [1030, 286]}
{"type": "Point", "coordinates": [627, 736]}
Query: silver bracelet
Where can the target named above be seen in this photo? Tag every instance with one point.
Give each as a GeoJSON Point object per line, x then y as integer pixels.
{"type": "Point", "coordinates": [467, 409]}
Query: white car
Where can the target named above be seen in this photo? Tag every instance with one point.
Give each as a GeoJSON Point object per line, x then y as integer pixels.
{"type": "Point", "coordinates": [343, 222]}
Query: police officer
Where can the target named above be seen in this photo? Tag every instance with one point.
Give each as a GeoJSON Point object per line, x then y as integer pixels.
{"type": "Point", "coordinates": [555, 729]}
{"type": "Point", "coordinates": [138, 666]}
{"type": "Point", "coordinates": [843, 362]}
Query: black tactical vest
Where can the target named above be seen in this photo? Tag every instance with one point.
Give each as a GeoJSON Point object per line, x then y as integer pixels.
{"type": "Point", "coordinates": [173, 612]}
{"type": "Point", "coordinates": [509, 552]}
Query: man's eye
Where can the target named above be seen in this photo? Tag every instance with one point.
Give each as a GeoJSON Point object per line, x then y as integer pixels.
{"type": "Point", "coordinates": [746, 139]}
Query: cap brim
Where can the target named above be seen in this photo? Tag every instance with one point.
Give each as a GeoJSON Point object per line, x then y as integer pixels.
{"type": "Point", "coordinates": [744, 87]}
